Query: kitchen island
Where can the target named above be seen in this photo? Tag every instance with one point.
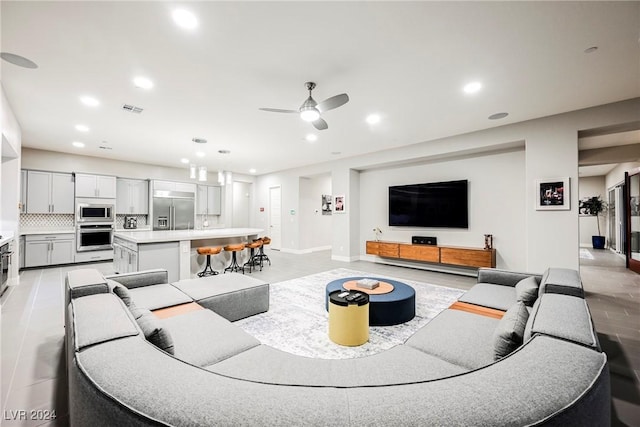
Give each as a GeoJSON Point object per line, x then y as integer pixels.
{"type": "Point", "coordinates": [175, 250]}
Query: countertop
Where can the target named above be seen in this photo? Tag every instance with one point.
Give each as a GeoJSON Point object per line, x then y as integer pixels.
{"type": "Point", "coordinates": [179, 235]}
{"type": "Point", "coordinates": [28, 231]}
{"type": "Point", "coordinates": [7, 236]}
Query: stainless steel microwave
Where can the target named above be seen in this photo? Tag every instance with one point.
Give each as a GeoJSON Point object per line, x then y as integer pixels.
{"type": "Point", "coordinates": [89, 212]}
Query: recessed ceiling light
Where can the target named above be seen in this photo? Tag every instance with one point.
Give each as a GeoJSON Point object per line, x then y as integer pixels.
{"type": "Point", "coordinates": [311, 137]}
{"type": "Point", "coordinates": [591, 49]}
{"type": "Point", "coordinates": [18, 60]}
{"type": "Point", "coordinates": [89, 101]}
{"type": "Point", "coordinates": [142, 83]}
{"type": "Point", "coordinates": [372, 119]}
{"type": "Point", "coordinates": [200, 153]}
{"type": "Point", "coordinates": [252, 170]}
{"type": "Point", "coordinates": [78, 144]}
{"type": "Point", "coordinates": [498, 116]}
{"type": "Point", "coordinates": [82, 128]}
{"type": "Point", "coordinates": [185, 19]}
{"type": "Point", "coordinates": [184, 160]}
{"type": "Point", "coordinates": [473, 87]}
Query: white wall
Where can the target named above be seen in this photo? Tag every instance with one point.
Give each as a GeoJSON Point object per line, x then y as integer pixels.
{"type": "Point", "coordinates": [589, 187]}
{"type": "Point", "coordinates": [551, 238]}
{"type": "Point", "coordinates": [10, 145]}
{"type": "Point", "coordinates": [496, 203]}
{"type": "Point", "coordinates": [315, 228]}
{"type": "Point", "coordinates": [289, 183]}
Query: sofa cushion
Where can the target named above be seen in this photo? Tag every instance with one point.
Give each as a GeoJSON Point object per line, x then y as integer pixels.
{"type": "Point", "coordinates": [527, 291]}
{"type": "Point", "coordinates": [158, 296]}
{"type": "Point", "coordinates": [397, 365]}
{"type": "Point", "coordinates": [121, 291]}
{"type": "Point", "coordinates": [509, 333]}
{"type": "Point", "coordinates": [99, 318]}
{"type": "Point", "coordinates": [561, 281]}
{"type": "Point", "coordinates": [489, 295]}
{"type": "Point", "coordinates": [154, 332]}
{"type": "Point", "coordinates": [459, 337]}
{"type": "Point", "coordinates": [565, 317]}
{"type": "Point", "coordinates": [202, 337]}
{"type": "Point", "coordinates": [141, 278]}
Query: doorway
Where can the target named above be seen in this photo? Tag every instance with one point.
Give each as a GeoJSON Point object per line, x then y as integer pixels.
{"type": "Point", "coordinates": [275, 217]}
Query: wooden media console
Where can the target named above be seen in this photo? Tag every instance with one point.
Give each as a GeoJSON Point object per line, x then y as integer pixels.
{"type": "Point", "coordinates": [450, 255]}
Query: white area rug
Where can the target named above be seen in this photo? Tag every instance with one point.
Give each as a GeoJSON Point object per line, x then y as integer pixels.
{"type": "Point", "coordinates": [297, 321]}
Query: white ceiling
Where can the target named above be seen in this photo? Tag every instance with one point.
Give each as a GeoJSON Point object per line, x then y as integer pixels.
{"type": "Point", "coordinates": [405, 61]}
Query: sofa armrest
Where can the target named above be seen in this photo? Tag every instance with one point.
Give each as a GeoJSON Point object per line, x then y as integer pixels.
{"type": "Point", "coordinates": [141, 278]}
{"type": "Point", "coordinates": [503, 277]}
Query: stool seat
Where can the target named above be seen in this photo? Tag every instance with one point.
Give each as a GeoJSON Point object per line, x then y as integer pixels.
{"type": "Point", "coordinates": [208, 251]}
{"type": "Point", "coordinates": [234, 248]}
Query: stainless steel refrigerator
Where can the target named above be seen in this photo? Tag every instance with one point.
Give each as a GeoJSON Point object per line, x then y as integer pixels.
{"type": "Point", "coordinates": [173, 210]}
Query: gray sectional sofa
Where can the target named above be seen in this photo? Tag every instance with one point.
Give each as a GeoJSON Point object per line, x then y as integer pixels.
{"type": "Point", "coordinates": [541, 364]}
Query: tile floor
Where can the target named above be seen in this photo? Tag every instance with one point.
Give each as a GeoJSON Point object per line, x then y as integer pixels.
{"type": "Point", "coordinates": [32, 374]}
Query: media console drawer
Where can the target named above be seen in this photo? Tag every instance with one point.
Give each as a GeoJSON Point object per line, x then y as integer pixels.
{"type": "Point", "coordinates": [420, 252]}
{"type": "Point", "coordinates": [460, 256]}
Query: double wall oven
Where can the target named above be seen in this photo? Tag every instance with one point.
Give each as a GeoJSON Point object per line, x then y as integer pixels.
{"type": "Point", "coordinates": [95, 224]}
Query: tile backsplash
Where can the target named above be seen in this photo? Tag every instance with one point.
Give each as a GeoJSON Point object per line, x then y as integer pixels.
{"type": "Point", "coordinates": [47, 220]}
{"type": "Point", "coordinates": [142, 220]}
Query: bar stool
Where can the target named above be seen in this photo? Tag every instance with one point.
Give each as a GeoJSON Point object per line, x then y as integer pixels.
{"type": "Point", "coordinates": [234, 248]}
{"type": "Point", "coordinates": [254, 260]}
{"type": "Point", "coordinates": [208, 251]}
{"type": "Point", "coordinates": [261, 255]}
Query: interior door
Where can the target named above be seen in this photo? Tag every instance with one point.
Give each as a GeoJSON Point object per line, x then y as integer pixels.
{"type": "Point", "coordinates": [633, 220]}
{"type": "Point", "coordinates": [275, 217]}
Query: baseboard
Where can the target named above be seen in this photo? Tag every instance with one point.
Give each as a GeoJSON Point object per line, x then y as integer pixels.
{"type": "Point", "coordinates": [305, 251]}
{"type": "Point", "coordinates": [345, 258]}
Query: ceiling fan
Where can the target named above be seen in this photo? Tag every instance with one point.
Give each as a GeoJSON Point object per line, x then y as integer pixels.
{"type": "Point", "coordinates": [310, 110]}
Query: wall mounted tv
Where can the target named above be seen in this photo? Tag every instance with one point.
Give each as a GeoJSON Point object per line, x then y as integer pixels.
{"type": "Point", "coordinates": [435, 204]}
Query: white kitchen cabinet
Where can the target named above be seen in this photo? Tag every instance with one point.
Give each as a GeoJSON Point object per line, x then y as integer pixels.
{"type": "Point", "coordinates": [48, 249]}
{"type": "Point", "coordinates": [208, 200]}
{"type": "Point", "coordinates": [49, 192]}
{"type": "Point", "coordinates": [132, 196]}
{"type": "Point", "coordinates": [99, 186]}
{"type": "Point", "coordinates": [174, 186]}
{"type": "Point", "coordinates": [125, 256]}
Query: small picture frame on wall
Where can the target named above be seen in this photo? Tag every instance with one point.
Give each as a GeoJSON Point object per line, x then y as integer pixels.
{"type": "Point", "coordinates": [553, 194]}
{"type": "Point", "coordinates": [340, 204]}
{"type": "Point", "coordinates": [327, 202]}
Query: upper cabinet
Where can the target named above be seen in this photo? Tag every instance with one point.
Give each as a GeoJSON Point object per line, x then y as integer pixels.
{"type": "Point", "coordinates": [132, 196]}
{"type": "Point", "coordinates": [174, 186]}
{"type": "Point", "coordinates": [99, 186]}
{"type": "Point", "coordinates": [49, 192]}
{"type": "Point", "coordinates": [208, 200]}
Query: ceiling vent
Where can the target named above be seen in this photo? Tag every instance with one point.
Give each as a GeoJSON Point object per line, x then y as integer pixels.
{"type": "Point", "coordinates": [132, 108]}
{"type": "Point", "coordinates": [104, 147]}
{"type": "Point", "coordinates": [199, 140]}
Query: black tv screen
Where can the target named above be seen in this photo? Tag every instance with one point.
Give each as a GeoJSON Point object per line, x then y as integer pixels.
{"type": "Point", "coordinates": [436, 204]}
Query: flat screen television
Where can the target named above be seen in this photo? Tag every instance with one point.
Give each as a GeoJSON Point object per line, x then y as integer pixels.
{"type": "Point", "coordinates": [435, 204]}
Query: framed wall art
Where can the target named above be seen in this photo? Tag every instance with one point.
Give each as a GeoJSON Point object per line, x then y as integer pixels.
{"type": "Point", "coordinates": [553, 194]}
{"type": "Point", "coordinates": [340, 204]}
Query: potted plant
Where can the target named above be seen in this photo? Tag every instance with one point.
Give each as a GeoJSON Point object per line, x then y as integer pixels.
{"type": "Point", "coordinates": [594, 206]}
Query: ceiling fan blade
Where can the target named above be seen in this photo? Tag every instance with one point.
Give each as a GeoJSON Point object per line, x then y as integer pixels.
{"type": "Point", "coordinates": [333, 102]}
{"type": "Point", "coordinates": [320, 124]}
{"type": "Point", "coordinates": [278, 110]}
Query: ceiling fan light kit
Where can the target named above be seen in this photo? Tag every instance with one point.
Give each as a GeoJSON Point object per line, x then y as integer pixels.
{"type": "Point", "coordinates": [310, 110]}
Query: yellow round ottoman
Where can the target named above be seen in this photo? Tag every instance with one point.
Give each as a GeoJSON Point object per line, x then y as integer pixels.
{"type": "Point", "coordinates": [349, 317]}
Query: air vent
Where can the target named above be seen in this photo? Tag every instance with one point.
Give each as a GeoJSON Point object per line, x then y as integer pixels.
{"type": "Point", "coordinates": [132, 108]}
{"type": "Point", "coordinates": [104, 147]}
{"type": "Point", "coordinates": [199, 140]}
